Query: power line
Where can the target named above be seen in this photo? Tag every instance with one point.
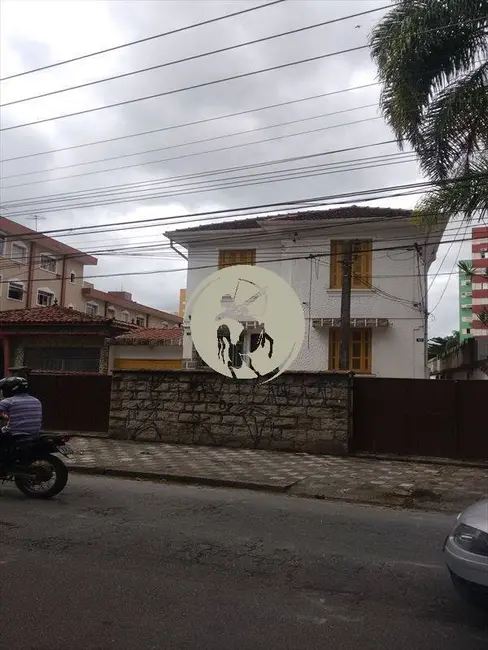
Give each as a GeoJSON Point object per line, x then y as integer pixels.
{"type": "Point", "coordinates": [280, 259]}
{"type": "Point", "coordinates": [213, 139]}
{"type": "Point", "coordinates": [191, 180]}
{"type": "Point", "coordinates": [144, 40]}
{"type": "Point", "coordinates": [194, 57]}
{"type": "Point", "coordinates": [260, 164]}
{"type": "Point", "coordinates": [253, 211]}
{"type": "Point", "coordinates": [224, 184]}
{"type": "Point", "coordinates": [194, 123]}
{"type": "Point", "coordinates": [175, 91]}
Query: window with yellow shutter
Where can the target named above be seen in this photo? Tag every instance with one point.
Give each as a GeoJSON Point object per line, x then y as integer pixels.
{"type": "Point", "coordinates": [359, 350]}
{"type": "Point", "coordinates": [361, 268]}
{"type": "Point", "coordinates": [234, 257]}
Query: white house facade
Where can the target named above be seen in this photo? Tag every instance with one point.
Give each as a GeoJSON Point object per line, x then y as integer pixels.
{"type": "Point", "coordinates": [389, 282]}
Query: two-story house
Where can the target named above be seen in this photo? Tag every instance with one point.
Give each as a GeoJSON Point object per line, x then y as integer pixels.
{"type": "Point", "coordinates": [389, 281]}
{"type": "Point", "coordinates": [38, 271]}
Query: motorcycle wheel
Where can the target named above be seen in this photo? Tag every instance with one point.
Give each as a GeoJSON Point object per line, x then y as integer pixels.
{"type": "Point", "coordinates": [52, 466]}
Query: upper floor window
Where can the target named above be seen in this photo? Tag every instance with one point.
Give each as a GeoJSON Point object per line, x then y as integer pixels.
{"type": "Point", "coordinates": [45, 298]}
{"type": "Point", "coordinates": [234, 257]}
{"type": "Point", "coordinates": [125, 316]}
{"type": "Point", "coordinates": [48, 263]}
{"type": "Point", "coordinates": [92, 308]}
{"type": "Point", "coordinates": [141, 321]}
{"type": "Point", "coordinates": [19, 253]}
{"type": "Point", "coordinates": [2, 244]}
{"type": "Point", "coordinates": [72, 277]}
{"type": "Point", "coordinates": [361, 267]}
{"type": "Point", "coordinates": [15, 290]}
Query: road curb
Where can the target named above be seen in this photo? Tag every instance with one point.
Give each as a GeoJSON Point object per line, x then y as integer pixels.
{"type": "Point", "coordinates": [180, 478]}
{"type": "Point", "coordinates": [259, 487]}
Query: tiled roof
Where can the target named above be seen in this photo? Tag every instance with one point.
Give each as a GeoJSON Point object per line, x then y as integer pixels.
{"type": "Point", "coordinates": [173, 336]}
{"type": "Point", "coordinates": [55, 315]}
{"type": "Point", "coordinates": [349, 212]}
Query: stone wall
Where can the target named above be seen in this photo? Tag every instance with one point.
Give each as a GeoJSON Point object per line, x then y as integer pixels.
{"type": "Point", "coordinates": [298, 411]}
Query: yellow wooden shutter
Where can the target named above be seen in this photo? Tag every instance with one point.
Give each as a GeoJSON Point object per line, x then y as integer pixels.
{"type": "Point", "coordinates": [234, 257]}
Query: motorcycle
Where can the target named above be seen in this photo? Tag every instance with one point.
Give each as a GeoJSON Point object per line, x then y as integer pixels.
{"type": "Point", "coordinates": [30, 463]}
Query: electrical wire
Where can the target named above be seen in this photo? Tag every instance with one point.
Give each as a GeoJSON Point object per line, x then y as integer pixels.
{"type": "Point", "coordinates": [256, 210]}
{"type": "Point", "coordinates": [201, 141]}
{"type": "Point", "coordinates": [144, 40]}
{"type": "Point", "coordinates": [280, 260]}
{"type": "Point", "coordinates": [169, 183]}
{"type": "Point", "coordinates": [174, 91]}
{"type": "Point", "coordinates": [194, 57]}
{"type": "Point", "coordinates": [196, 122]}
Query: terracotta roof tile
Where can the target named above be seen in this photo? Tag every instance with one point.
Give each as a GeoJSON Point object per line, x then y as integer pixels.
{"type": "Point", "coordinates": [55, 315]}
{"type": "Point", "coordinates": [348, 212]}
{"type": "Point", "coordinates": [152, 334]}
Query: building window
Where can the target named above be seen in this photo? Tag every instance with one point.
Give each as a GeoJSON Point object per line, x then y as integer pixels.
{"type": "Point", "coordinates": [125, 316]}
{"type": "Point", "coordinates": [15, 291]}
{"type": "Point", "coordinates": [66, 359]}
{"type": "Point", "coordinates": [361, 268]}
{"type": "Point", "coordinates": [19, 253]}
{"type": "Point", "coordinates": [48, 263]}
{"type": "Point", "coordinates": [359, 350]}
{"type": "Point", "coordinates": [72, 277]}
{"type": "Point", "coordinates": [234, 257]}
{"type": "Point", "coordinates": [91, 308]}
{"type": "Point", "coordinates": [2, 244]}
{"type": "Point", "coordinates": [45, 298]}
{"type": "Point", "coordinates": [141, 321]}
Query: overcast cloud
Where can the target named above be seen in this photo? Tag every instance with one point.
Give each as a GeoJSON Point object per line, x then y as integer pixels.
{"type": "Point", "coordinates": [38, 33]}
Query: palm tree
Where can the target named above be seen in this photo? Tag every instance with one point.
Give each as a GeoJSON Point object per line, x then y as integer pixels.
{"type": "Point", "coordinates": [466, 268]}
{"type": "Point", "coordinates": [439, 346]}
{"type": "Point", "coordinates": [483, 317]}
{"type": "Point", "coordinates": [431, 57]}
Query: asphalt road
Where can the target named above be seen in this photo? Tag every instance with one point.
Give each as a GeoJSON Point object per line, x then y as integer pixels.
{"type": "Point", "coordinates": [141, 566]}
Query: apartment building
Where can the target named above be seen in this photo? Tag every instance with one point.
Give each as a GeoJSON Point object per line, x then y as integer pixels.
{"type": "Point", "coordinates": [473, 287]}
{"type": "Point", "coordinates": [38, 271]}
{"type": "Point", "coordinates": [121, 306]}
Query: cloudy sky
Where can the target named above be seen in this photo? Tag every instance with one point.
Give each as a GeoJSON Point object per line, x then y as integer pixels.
{"type": "Point", "coordinates": [110, 182]}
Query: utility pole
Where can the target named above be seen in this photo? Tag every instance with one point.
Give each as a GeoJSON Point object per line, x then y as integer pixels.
{"type": "Point", "coordinates": [345, 330]}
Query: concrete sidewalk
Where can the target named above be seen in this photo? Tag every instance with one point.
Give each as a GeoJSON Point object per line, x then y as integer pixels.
{"type": "Point", "coordinates": [447, 488]}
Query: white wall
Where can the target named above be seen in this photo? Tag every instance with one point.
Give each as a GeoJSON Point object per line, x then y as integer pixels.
{"type": "Point", "coordinates": [147, 352]}
{"type": "Point", "coordinates": [395, 351]}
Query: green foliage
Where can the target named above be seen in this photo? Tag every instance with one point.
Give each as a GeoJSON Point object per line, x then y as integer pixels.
{"type": "Point", "coordinates": [431, 63]}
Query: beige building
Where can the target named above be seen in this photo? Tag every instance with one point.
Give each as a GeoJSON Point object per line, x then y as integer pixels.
{"type": "Point", "coordinates": [119, 305]}
{"type": "Point", "coordinates": [38, 271]}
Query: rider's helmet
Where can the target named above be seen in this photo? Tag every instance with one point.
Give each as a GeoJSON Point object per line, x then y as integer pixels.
{"type": "Point", "coordinates": [11, 386]}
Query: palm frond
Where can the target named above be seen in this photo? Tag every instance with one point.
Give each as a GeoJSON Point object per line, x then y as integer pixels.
{"type": "Point", "coordinates": [466, 268]}
{"type": "Point", "coordinates": [420, 46]}
{"type": "Point", "coordinates": [465, 195]}
{"type": "Point", "coordinates": [455, 127]}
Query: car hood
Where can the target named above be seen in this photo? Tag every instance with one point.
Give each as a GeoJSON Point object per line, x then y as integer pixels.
{"type": "Point", "coordinates": [476, 516]}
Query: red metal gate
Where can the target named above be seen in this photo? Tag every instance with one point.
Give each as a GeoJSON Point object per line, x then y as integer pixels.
{"type": "Point", "coordinates": [417, 417]}
{"type": "Point", "coordinates": [73, 402]}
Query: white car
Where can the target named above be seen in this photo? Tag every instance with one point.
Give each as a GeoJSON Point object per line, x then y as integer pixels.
{"type": "Point", "coordinates": [466, 554]}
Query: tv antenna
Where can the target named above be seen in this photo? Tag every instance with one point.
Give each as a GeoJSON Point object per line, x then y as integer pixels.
{"type": "Point", "coordinates": [35, 218]}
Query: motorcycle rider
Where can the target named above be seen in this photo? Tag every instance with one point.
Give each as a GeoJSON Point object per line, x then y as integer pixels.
{"type": "Point", "coordinates": [24, 411]}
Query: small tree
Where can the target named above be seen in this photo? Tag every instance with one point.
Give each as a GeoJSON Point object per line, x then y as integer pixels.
{"type": "Point", "coordinates": [483, 317]}
{"type": "Point", "coordinates": [466, 268]}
